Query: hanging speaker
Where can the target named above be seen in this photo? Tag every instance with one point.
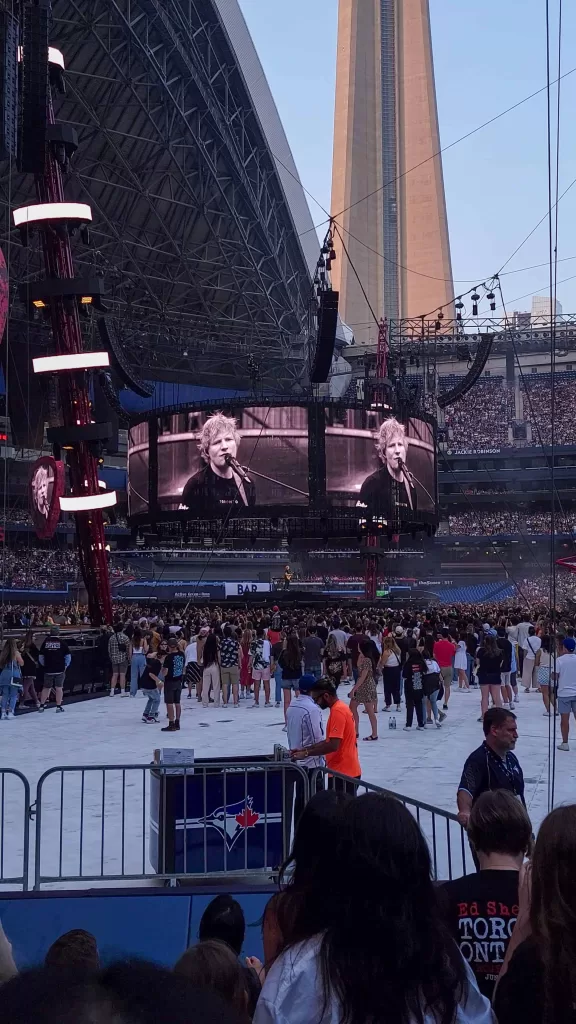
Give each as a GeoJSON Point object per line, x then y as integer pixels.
{"type": "Point", "coordinates": [326, 336]}
{"type": "Point", "coordinates": [8, 85]}
{"type": "Point", "coordinates": [120, 361]}
{"type": "Point", "coordinates": [34, 116]}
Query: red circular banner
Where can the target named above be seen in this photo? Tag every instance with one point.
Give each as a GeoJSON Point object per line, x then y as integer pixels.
{"type": "Point", "coordinates": [47, 484]}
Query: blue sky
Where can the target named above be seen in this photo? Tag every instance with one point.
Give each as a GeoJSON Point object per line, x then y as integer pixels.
{"type": "Point", "coordinates": [486, 59]}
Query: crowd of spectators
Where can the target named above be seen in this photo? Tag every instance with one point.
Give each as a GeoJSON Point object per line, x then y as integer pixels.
{"type": "Point", "coordinates": [20, 516]}
{"type": "Point", "coordinates": [38, 568]}
{"type": "Point", "coordinates": [539, 522]}
{"type": "Point", "coordinates": [477, 523]}
{"type": "Point", "coordinates": [356, 932]}
{"type": "Point", "coordinates": [537, 401]}
{"type": "Point", "coordinates": [480, 419]}
{"type": "Point", "coordinates": [487, 523]}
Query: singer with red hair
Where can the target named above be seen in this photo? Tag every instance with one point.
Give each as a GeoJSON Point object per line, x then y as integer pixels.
{"type": "Point", "coordinates": [221, 482]}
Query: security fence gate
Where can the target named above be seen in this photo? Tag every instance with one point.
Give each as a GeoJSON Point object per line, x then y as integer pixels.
{"type": "Point", "coordinates": [15, 815]}
{"type": "Point", "coordinates": [215, 819]}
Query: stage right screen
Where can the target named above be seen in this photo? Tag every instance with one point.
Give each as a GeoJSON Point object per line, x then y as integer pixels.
{"type": "Point", "coordinates": [381, 463]}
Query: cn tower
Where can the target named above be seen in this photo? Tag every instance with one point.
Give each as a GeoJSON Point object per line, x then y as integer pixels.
{"type": "Point", "coordinates": [387, 184]}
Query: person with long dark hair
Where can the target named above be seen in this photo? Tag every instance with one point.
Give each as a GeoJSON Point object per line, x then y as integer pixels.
{"type": "Point", "coordinates": [489, 659]}
{"type": "Point", "coordinates": [302, 874]}
{"type": "Point", "coordinates": [211, 671]}
{"type": "Point", "coordinates": [11, 662]}
{"type": "Point", "coordinates": [537, 983]}
{"type": "Point", "coordinates": [372, 946]}
{"type": "Point", "coordinates": [364, 689]}
{"type": "Point", "coordinates": [290, 661]}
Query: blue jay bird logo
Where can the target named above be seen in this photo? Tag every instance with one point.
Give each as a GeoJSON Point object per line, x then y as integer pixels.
{"type": "Point", "coordinates": [232, 820]}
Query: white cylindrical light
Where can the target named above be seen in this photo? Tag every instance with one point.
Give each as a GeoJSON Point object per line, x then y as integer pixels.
{"type": "Point", "coordinates": [88, 502]}
{"type": "Point", "coordinates": [51, 211]}
{"type": "Point", "coordinates": [75, 361]}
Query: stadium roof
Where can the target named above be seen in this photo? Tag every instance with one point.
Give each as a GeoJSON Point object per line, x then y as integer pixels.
{"type": "Point", "coordinates": [200, 226]}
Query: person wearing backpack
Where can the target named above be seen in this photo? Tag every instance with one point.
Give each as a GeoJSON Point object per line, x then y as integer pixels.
{"type": "Point", "coordinates": [118, 647]}
{"type": "Point", "coordinates": [11, 662]}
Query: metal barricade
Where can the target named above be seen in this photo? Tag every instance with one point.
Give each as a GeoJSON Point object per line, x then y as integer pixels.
{"type": "Point", "coordinates": [449, 850]}
{"type": "Point", "coordinates": [14, 829]}
{"type": "Point", "coordinates": [133, 822]}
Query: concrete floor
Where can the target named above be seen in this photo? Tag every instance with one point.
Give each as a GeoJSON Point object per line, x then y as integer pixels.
{"type": "Point", "coordinates": [109, 731]}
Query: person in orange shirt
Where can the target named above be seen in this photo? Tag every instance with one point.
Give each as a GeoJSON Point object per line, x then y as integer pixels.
{"type": "Point", "coordinates": [340, 747]}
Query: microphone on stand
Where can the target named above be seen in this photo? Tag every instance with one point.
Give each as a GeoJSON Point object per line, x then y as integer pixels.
{"type": "Point", "coordinates": [231, 461]}
{"type": "Point", "coordinates": [413, 480]}
{"type": "Point", "coordinates": [402, 465]}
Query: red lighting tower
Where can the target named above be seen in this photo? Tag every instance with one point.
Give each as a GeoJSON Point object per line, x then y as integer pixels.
{"type": "Point", "coordinates": [45, 148]}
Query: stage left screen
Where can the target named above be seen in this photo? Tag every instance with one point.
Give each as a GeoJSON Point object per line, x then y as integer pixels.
{"type": "Point", "coordinates": [212, 463]}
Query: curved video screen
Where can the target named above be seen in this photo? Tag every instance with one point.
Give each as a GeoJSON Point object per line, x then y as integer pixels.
{"type": "Point", "coordinates": [210, 463]}
{"type": "Point", "coordinates": [207, 464]}
{"type": "Point", "coordinates": [379, 462]}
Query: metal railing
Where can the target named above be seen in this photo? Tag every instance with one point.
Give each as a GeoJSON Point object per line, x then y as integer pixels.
{"type": "Point", "coordinates": [14, 828]}
{"type": "Point", "coordinates": [107, 823]}
{"type": "Point", "coordinates": [449, 849]}
{"type": "Point", "coordinates": [137, 822]}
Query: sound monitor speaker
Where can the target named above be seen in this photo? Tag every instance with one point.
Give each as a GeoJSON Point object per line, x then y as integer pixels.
{"type": "Point", "coordinates": [326, 336]}
{"type": "Point", "coordinates": [35, 81]}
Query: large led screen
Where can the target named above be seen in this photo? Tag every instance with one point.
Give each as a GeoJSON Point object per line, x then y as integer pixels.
{"type": "Point", "coordinates": [376, 461]}
{"type": "Point", "coordinates": [210, 463]}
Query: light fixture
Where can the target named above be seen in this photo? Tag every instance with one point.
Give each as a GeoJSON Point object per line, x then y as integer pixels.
{"type": "Point", "coordinates": [88, 502]}
{"type": "Point", "coordinates": [39, 303]}
{"type": "Point", "coordinates": [54, 56]}
{"type": "Point", "coordinates": [86, 300]}
{"type": "Point", "coordinates": [74, 361]}
{"type": "Point", "coordinates": [51, 211]}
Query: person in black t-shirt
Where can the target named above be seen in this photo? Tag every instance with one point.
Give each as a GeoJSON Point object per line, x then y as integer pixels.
{"type": "Point", "coordinates": [55, 658]}
{"type": "Point", "coordinates": [173, 676]}
{"type": "Point", "coordinates": [490, 659]}
{"type": "Point", "coordinates": [492, 765]}
{"type": "Point", "coordinates": [481, 908]}
{"type": "Point", "coordinates": [151, 685]}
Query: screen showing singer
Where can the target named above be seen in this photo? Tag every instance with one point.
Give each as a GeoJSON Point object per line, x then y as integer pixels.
{"type": "Point", "coordinates": [210, 461]}
{"type": "Point", "coordinates": [382, 462]}
{"type": "Point", "coordinates": [391, 486]}
{"type": "Point", "coordinates": [221, 482]}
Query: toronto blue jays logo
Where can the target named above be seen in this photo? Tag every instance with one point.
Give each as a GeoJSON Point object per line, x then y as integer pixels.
{"type": "Point", "coordinates": [232, 820]}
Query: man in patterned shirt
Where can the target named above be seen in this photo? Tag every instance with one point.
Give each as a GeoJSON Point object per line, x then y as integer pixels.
{"type": "Point", "coordinates": [230, 660]}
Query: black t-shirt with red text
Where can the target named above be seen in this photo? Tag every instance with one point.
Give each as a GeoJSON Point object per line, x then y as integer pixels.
{"type": "Point", "coordinates": [481, 911]}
